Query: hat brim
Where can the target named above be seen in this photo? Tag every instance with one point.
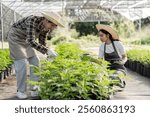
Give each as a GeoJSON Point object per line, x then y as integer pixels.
{"type": "Point", "coordinates": [55, 21]}
{"type": "Point", "coordinates": [108, 29]}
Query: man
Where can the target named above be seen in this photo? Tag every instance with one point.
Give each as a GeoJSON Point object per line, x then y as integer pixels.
{"type": "Point", "coordinates": [22, 44]}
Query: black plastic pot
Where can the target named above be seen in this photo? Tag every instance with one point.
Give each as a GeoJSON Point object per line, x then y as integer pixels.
{"type": "Point", "coordinates": [130, 64]}
{"type": "Point", "coordinates": [147, 71]}
{"type": "Point", "coordinates": [127, 64]}
{"type": "Point", "coordinates": [8, 71]}
{"type": "Point", "coordinates": [1, 75]}
{"type": "Point", "coordinates": [6, 74]}
{"type": "Point", "coordinates": [138, 67]}
{"type": "Point", "coordinates": [141, 69]}
{"type": "Point", "coordinates": [134, 64]}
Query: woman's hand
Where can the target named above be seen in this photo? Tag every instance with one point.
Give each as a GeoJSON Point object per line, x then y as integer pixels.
{"type": "Point", "coordinates": [120, 62]}
{"type": "Point", "coordinates": [123, 61]}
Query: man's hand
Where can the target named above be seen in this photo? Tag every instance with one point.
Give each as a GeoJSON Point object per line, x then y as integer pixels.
{"type": "Point", "coordinates": [51, 53]}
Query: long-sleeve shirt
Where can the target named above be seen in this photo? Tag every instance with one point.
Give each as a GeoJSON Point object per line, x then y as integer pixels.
{"type": "Point", "coordinates": [32, 25]}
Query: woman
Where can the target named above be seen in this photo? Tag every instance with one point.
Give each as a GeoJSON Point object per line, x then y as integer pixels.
{"type": "Point", "coordinates": [112, 51]}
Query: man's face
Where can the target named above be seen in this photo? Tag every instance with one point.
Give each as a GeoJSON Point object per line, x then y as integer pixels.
{"type": "Point", "coordinates": [49, 25]}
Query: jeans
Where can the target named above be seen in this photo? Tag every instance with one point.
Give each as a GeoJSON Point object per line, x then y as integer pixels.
{"type": "Point", "coordinates": [21, 72]}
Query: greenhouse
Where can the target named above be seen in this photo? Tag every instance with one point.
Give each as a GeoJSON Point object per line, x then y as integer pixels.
{"type": "Point", "coordinates": [75, 49]}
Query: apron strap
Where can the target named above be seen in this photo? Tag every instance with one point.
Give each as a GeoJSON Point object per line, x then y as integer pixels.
{"type": "Point", "coordinates": [115, 48]}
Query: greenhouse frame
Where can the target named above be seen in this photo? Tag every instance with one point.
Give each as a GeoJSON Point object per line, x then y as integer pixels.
{"type": "Point", "coordinates": [78, 10]}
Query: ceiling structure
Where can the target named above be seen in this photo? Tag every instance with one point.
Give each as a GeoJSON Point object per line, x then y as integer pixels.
{"type": "Point", "coordinates": [83, 10]}
{"type": "Point", "coordinates": [78, 10]}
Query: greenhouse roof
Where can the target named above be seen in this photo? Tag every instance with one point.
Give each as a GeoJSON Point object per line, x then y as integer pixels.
{"type": "Point", "coordinates": [131, 9]}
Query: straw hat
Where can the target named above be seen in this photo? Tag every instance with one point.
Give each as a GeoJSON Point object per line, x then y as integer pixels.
{"type": "Point", "coordinates": [108, 29]}
{"type": "Point", "coordinates": [53, 17]}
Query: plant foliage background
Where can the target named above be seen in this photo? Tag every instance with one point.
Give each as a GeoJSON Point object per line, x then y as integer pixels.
{"type": "Point", "coordinates": [74, 76]}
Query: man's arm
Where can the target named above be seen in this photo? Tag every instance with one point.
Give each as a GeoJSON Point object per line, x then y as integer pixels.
{"type": "Point", "coordinates": [30, 39]}
{"type": "Point", "coordinates": [42, 38]}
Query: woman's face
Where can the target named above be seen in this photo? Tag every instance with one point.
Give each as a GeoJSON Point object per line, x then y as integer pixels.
{"type": "Point", "coordinates": [103, 36]}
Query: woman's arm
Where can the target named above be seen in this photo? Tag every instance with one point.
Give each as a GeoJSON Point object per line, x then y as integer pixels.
{"type": "Point", "coordinates": [123, 54]}
{"type": "Point", "coordinates": [124, 58]}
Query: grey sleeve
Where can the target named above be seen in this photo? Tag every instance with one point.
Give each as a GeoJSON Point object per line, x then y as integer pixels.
{"type": "Point", "coordinates": [120, 48]}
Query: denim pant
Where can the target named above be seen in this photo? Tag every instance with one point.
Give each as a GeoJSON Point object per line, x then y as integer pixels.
{"type": "Point", "coordinates": [21, 72]}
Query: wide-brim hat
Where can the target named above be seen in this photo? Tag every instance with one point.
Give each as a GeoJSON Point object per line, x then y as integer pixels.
{"type": "Point", "coordinates": [53, 17]}
{"type": "Point", "coordinates": [108, 29]}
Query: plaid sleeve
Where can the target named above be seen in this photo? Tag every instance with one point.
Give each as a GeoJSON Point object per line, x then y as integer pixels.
{"type": "Point", "coordinates": [30, 39]}
{"type": "Point", "coordinates": [42, 38]}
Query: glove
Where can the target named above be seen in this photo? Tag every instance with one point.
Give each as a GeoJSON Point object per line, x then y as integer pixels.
{"type": "Point", "coordinates": [51, 53]}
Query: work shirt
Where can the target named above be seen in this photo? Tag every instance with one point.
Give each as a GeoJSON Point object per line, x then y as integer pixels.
{"type": "Point", "coordinates": [31, 26]}
{"type": "Point", "coordinates": [22, 38]}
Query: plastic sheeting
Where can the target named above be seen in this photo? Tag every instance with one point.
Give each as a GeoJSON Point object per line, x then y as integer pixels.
{"type": "Point", "coordinates": [132, 9]}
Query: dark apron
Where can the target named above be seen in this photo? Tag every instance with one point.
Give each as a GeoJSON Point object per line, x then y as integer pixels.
{"type": "Point", "coordinates": [111, 57]}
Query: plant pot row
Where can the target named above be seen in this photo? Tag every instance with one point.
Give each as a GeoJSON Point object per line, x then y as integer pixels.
{"type": "Point", "coordinates": [138, 67]}
{"type": "Point", "coordinates": [5, 73]}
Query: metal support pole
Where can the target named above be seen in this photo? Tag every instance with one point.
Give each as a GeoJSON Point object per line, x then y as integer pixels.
{"type": "Point", "coordinates": [139, 25]}
{"type": "Point", "coordinates": [63, 7]}
{"type": "Point", "coordinates": [2, 30]}
{"type": "Point", "coordinates": [15, 19]}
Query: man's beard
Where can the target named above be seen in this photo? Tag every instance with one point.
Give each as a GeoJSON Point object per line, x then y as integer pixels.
{"type": "Point", "coordinates": [41, 27]}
